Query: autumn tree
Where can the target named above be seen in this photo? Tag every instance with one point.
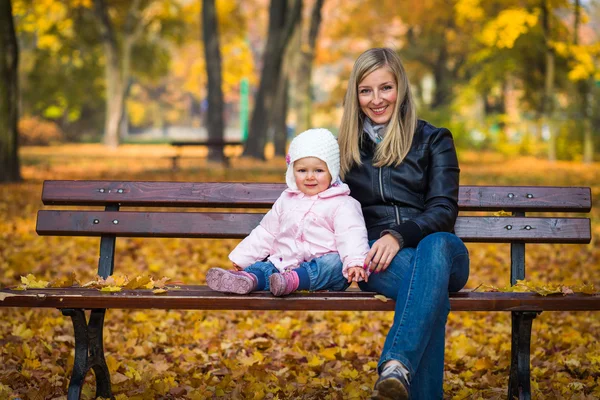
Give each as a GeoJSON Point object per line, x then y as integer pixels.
{"type": "Point", "coordinates": [582, 73]}
{"type": "Point", "coordinates": [119, 36]}
{"type": "Point", "coordinates": [282, 20]}
{"type": "Point", "coordinates": [294, 89]}
{"type": "Point", "coordinates": [278, 125]}
{"type": "Point", "coordinates": [178, 95]}
{"type": "Point", "coordinates": [9, 159]}
{"type": "Point", "coordinates": [304, 68]}
{"type": "Point", "coordinates": [547, 106]}
{"type": "Point", "coordinates": [210, 35]}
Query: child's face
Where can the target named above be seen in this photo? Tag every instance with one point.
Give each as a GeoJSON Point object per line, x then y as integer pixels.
{"type": "Point", "coordinates": [312, 175]}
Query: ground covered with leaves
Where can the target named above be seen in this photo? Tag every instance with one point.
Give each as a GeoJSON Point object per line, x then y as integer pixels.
{"type": "Point", "coordinates": [273, 355]}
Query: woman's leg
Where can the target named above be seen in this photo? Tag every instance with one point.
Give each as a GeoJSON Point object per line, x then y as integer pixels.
{"type": "Point", "coordinates": [428, 381]}
{"type": "Point", "coordinates": [419, 280]}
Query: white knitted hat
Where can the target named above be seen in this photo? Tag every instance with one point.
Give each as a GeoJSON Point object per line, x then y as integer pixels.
{"type": "Point", "coordinates": [319, 143]}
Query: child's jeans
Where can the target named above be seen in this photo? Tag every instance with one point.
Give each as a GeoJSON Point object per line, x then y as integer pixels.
{"type": "Point", "coordinates": [325, 272]}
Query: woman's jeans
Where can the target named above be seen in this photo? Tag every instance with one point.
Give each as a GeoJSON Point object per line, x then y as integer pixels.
{"type": "Point", "coordinates": [419, 280]}
{"type": "Point", "coordinates": [325, 272]}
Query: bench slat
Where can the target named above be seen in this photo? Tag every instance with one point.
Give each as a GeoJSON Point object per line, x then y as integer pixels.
{"type": "Point", "coordinates": [259, 195]}
{"type": "Point", "coordinates": [238, 225]}
{"type": "Point", "coordinates": [202, 298]}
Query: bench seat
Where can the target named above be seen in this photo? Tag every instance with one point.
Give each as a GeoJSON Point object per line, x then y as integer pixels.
{"type": "Point", "coordinates": [200, 297]}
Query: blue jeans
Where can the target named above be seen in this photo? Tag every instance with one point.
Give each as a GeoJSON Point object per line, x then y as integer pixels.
{"type": "Point", "coordinates": [419, 280]}
{"type": "Point", "coordinates": [325, 272]}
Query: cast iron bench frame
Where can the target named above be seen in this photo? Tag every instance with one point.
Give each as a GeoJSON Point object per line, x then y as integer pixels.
{"type": "Point", "coordinates": [112, 222]}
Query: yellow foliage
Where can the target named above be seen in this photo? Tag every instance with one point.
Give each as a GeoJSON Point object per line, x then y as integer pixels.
{"type": "Point", "coordinates": [510, 24]}
{"type": "Point", "coordinates": [111, 289]}
{"type": "Point", "coordinates": [22, 331]}
{"type": "Point", "coordinates": [315, 361]}
{"type": "Point", "coordinates": [583, 66]}
{"type": "Point", "coordinates": [30, 282]}
{"type": "Point", "coordinates": [468, 10]}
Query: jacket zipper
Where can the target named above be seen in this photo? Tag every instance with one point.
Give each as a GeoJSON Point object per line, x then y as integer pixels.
{"type": "Point", "coordinates": [383, 198]}
{"type": "Point", "coordinates": [381, 185]}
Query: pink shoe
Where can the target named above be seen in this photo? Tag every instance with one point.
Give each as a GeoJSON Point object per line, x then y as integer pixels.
{"type": "Point", "coordinates": [284, 283]}
{"type": "Point", "coordinates": [222, 280]}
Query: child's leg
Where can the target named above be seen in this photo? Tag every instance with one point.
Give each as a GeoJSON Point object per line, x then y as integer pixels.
{"type": "Point", "coordinates": [325, 273]}
{"type": "Point", "coordinates": [322, 273]}
{"type": "Point", "coordinates": [262, 270]}
{"type": "Point", "coordinates": [249, 280]}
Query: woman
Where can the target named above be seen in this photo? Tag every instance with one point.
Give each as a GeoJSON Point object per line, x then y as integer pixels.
{"type": "Point", "coordinates": [404, 172]}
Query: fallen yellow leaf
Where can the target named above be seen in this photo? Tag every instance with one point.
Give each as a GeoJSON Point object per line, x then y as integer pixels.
{"type": "Point", "coordinates": [110, 289]}
{"type": "Point", "coordinates": [381, 297]}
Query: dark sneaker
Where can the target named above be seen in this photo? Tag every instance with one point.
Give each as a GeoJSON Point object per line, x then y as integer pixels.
{"type": "Point", "coordinates": [222, 280]}
{"type": "Point", "coordinates": [392, 384]}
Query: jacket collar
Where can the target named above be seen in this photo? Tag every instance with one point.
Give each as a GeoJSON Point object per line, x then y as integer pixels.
{"type": "Point", "coordinates": [337, 189]}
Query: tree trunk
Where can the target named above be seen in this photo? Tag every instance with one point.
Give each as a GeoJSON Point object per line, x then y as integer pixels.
{"type": "Point", "coordinates": [279, 120]}
{"type": "Point", "coordinates": [585, 98]}
{"type": "Point", "coordinates": [114, 83]}
{"type": "Point", "coordinates": [9, 93]}
{"type": "Point", "coordinates": [304, 76]}
{"type": "Point", "coordinates": [548, 101]}
{"type": "Point", "coordinates": [212, 52]}
{"type": "Point", "coordinates": [442, 79]}
{"type": "Point", "coordinates": [281, 25]}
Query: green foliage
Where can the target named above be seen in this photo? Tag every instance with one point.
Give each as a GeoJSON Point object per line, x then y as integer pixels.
{"type": "Point", "coordinates": [62, 79]}
{"type": "Point", "coordinates": [569, 145]}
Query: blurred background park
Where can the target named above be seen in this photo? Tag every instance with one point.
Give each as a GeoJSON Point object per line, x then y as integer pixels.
{"type": "Point", "coordinates": [515, 77]}
{"type": "Point", "coordinates": [100, 89]}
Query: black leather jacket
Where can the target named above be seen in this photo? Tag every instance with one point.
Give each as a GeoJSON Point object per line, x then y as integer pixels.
{"type": "Point", "coordinates": [416, 198]}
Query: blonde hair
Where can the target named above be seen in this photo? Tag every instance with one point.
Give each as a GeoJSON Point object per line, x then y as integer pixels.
{"type": "Point", "coordinates": [401, 128]}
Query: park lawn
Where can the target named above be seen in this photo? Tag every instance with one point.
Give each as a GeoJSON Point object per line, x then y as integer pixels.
{"type": "Point", "coordinates": [275, 355]}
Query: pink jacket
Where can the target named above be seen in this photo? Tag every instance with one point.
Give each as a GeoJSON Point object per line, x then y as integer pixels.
{"type": "Point", "coordinates": [300, 228]}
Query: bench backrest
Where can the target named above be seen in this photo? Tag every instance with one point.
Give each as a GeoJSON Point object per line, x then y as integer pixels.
{"type": "Point", "coordinates": [507, 224]}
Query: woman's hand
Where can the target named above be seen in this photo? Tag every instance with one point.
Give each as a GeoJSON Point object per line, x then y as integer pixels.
{"type": "Point", "coordinates": [237, 267]}
{"type": "Point", "coordinates": [355, 273]}
{"type": "Point", "coordinates": [382, 253]}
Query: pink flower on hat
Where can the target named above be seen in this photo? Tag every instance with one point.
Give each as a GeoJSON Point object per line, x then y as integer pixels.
{"type": "Point", "coordinates": [288, 159]}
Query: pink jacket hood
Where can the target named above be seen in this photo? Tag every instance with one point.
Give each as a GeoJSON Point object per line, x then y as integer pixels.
{"type": "Point", "coordinates": [300, 228]}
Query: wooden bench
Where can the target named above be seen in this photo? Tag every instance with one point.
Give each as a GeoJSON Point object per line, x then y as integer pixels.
{"type": "Point", "coordinates": [216, 144]}
{"type": "Point", "coordinates": [114, 221]}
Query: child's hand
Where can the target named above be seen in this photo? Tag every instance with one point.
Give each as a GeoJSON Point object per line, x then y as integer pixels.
{"type": "Point", "coordinates": [237, 267]}
{"type": "Point", "coordinates": [355, 273]}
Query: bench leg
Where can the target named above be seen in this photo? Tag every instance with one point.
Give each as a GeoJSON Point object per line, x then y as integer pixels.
{"type": "Point", "coordinates": [519, 386]}
{"type": "Point", "coordinates": [89, 352]}
{"type": "Point", "coordinates": [174, 163]}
